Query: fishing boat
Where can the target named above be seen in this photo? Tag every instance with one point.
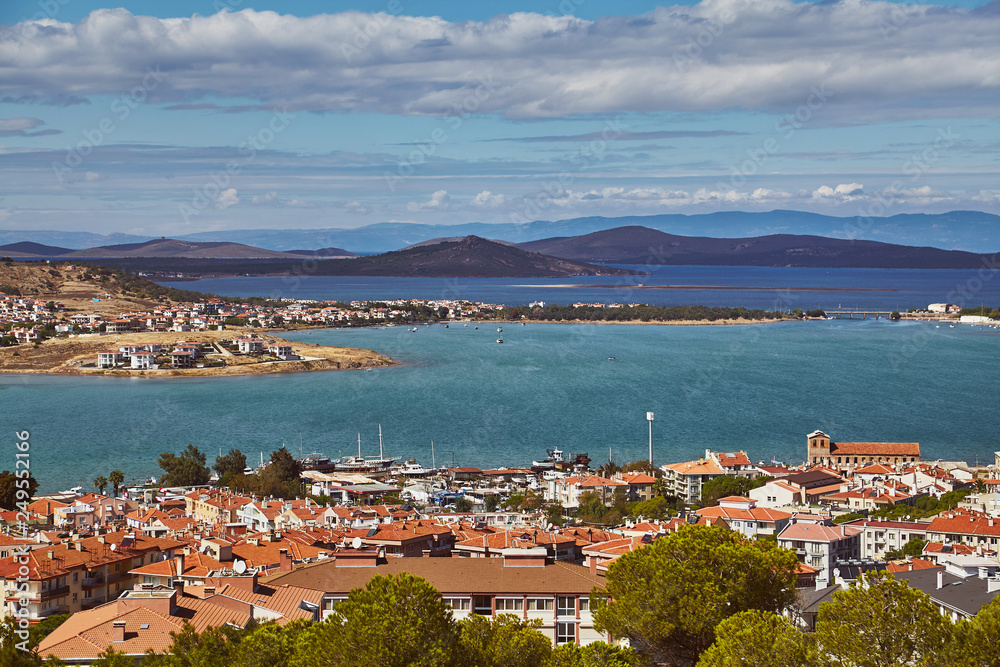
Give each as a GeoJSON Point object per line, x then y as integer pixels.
{"type": "Point", "coordinates": [554, 456]}
{"type": "Point", "coordinates": [499, 340]}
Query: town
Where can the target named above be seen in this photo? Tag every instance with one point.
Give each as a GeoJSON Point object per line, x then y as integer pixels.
{"type": "Point", "coordinates": [290, 540]}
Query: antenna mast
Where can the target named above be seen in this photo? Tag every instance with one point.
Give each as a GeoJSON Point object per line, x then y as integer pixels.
{"type": "Point", "coordinates": [380, 454]}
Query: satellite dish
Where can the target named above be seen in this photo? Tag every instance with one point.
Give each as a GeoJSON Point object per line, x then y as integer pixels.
{"type": "Point", "coordinates": [356, 543]}
{"type": "Point", "coordinates": [239, 567]}
{"type": "Point", "coordinates": [114, 546]}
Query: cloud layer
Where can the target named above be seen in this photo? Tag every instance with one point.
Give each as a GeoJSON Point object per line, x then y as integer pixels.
{"type": "Point", "coordinates": [919, 60]}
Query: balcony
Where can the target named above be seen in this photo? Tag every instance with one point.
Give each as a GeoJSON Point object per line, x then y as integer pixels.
{"type": "Point", "coordinates": [49, 593]}
{"type": "Point", "coordinates": [90, 603]}
{"type": "Point", "coordinates": [52, 611]}
{"type": "Point", "coordinates": [93, 582]}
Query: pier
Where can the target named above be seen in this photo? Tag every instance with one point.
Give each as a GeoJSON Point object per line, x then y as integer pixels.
{"type": "Point", "coordinates": [863, 314]}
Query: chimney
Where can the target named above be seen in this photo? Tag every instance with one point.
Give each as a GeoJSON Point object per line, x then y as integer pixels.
{"type": "Point", "coordinates": [209, 590]}
{"type": "Point", "coordinates": [940, 579]}
{"type": "Point", "coordinates": [52, 554]}
{"type": "Point", "coordinates": [993, 584]}
{"type": "Point", "coordinates": [100, 538]}
{"type": "Point", "coordinates": [179, 586]}
{"type": "Point", "coordinates": [79, 546]}
{"type": "Point", "coordinates": [284, 560]}
{"type": "Point", "coordinates": [179, 565]}
{"type": "Point", "coordinates": [118, 631]}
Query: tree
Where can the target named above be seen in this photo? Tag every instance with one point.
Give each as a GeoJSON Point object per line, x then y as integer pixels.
{"type": "Point", "coordinates": [115, 478]}
{"type": "Point", "coordinates": [188, 469]}
{"type": "Point", "coordinates": [974, 643]}
{"type": "Point", "coordinates": [491, 502]}
{"type": "Point", "coordinates": [230, 465]}
{"type": "Point", "coordinates": [16, 489]}
{"type": "Point", "coordinates": [881, 622]}
{"type": "Point", "coordinates": [724, 485]}
{"type": "Point", "coordinates": [505, 641]}
{"type": "Point", "coordinates": [394, 621]}
{"type": "Point", "coordinates": [895, 316]}
{"type": "Point", "coordinates": [100, 482]}
{"type": "Point", "coordinates": [754, 637]}
{"type": "Point", "coordinates": [914, 548]}
{"type": "Point", "coordinates": [668, 598]}
{"type": "Point", "coordinates": [654, 508]}
{"type": "Point", "coordinates": [595, 654]}
{"type": "Point", "coordinates": [109, 657]}
{"type": "Point", "coordinates": [463, 504]}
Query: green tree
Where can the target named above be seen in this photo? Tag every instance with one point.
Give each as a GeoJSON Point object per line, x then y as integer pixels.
{"type": "Point", "coordinates": [230, 465]}
{"type": "Point", "coordinates": [188, 469]}
{"type": "Point", "coordinates": [882, 622]}
{"type": "Point", "coordinates": [394, 621]}
{"type": "Point", "coordinates": [215, 647]}
{"type": "Point", "coordinates": [19, 650]}
{"type": "Point", "coordinates": [975, 641]}
{"type": "Point", "coordinates": [505, 641]}
{"type": "Point", "coordinates": [269, 645]}
{"type": "Point", "coordinates": [654, 508]}
{"type": "Point", "coordinates": [895, 316]}
{"type": "Point", "coordinates": [116, 478]}
{"type": "Point", "coordinates": [109, 657]}
{"type": "Point", "coordinates": [723, 486]}
{"type": "Point", "coordinates": [100, 483]}
{"type": "Point", "coordinates": [668, 598]}
{"type": "Point", "coordinates": [752, 638]}
{"type": "Point", "coordinates": [491, 502]}
{"type": "Point", "coordinates": [16, 489]}
{"type": "Point", "coordinates": [914, 548]}
{"type": "Point", "coordinates": [595, 654]}
{"type": "Point", "coordinates": [463, 504]}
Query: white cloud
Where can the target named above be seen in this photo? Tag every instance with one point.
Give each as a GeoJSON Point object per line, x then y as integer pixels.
{"type": "Point", "coordinates": [919, 60]}
{"type": "Point", "coordinates": [439, 201]}
{"type": "Point", "coordinates": [226, 199]}
{"type": "Point", "coordinates": [264, 199]}
{"type": "Point", "coordinates": [487, 199]}
{"type": "Point", "coordinates": [18, 124]}
{"type": "Point", "coordinates": [843, 192]}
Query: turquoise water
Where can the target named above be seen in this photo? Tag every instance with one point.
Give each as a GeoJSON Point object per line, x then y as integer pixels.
{"type": "Point", "coordinates": [761, 388]}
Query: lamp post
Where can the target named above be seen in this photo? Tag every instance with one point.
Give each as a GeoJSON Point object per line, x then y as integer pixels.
{"type": "Point", "coordinates": [649, 418]}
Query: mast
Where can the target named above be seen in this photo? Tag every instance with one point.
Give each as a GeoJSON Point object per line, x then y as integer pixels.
{"type": "Point", "coordinates": [380, 454]}
{"type": "Point", "coordinates": [359, 445]}
{"type": "Point", "coordinates": [432, 456]}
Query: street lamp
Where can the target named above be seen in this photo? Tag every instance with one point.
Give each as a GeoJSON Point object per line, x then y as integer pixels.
{"type": "Point", "coordinates": [649, 418]}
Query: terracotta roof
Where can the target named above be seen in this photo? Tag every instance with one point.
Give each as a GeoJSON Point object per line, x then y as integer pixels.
{"type": "Point", "coordinates": [965, 524]}
{"type": "Point", "coordinates": [907, 566]}
{"type": "Point", "coordinates": [695, 468]}
{"type": "Point", "coordinates": [875, 449]}
{"type": "Point", "coordinates": [638, 478]}
{"type": "Point", "coordinates": [449, 576]}
{"type": "Point", "coordinates": [730, 459]}
{"type": "Point", "coordinates": [752, 514]}
{"type": "Point", "coordinates": [66, 558]}
{"type": "Point", "coordinates": [812, 532]}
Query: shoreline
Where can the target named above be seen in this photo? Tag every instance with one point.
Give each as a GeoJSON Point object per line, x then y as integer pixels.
{"type": "Point", "coordinates": [66, 356]}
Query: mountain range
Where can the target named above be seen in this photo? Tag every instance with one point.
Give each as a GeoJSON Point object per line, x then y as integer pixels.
{"type": "Point", "coordinates": [164, 247]}
{"type": "Point", "coordinates": [645, 246]}
{"type": "Point", "coordinates": [972, 231]}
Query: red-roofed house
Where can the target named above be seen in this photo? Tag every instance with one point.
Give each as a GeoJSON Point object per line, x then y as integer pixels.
{"type": "Point", "coordinates": [567, 490]}
{"type": "Point", "coordinates": [743, 516]}
{"type": "Point", "coordinates": [820, 546]}
{"type": "Point", "coordinates": [848, 455]}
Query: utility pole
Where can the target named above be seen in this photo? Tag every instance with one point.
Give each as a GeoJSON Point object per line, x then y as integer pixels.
{"type": "Point", "coordinates": [649, 418]}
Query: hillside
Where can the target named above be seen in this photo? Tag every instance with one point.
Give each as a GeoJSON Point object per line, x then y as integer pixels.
{"type": "Point", "coordinates": [470, 257]}
{"type": "Point", "coordinates": [177, 248]}
{"type": "Point", "coordinates": [642, 245]}
{"type": "Point", "coordinates": [30, 249]}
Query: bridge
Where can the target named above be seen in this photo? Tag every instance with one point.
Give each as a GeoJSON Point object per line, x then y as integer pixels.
{"type": "Point", "coordinates": [862, 314]}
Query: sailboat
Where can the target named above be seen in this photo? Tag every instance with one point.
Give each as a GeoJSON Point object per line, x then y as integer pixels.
{"type": "Point", "coordinates": [365, 464]}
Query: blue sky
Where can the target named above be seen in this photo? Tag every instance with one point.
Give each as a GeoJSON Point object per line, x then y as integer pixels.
{"type": "Point", "coordinates": [170, 118]}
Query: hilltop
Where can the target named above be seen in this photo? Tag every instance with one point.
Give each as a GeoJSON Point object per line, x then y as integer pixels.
{"type": "Point", "coordinates": [642, 245]}
{"type": "Point", "coordinates": [164, 247]}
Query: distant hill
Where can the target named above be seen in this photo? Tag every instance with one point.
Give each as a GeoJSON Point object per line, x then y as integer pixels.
{"type": "Point", "coordinates": [31, 249]}
{"type": "Point", "coordinates": [324, 252]}
{"type": "Point", "coordinates": [178, 248]}
{"type": "Point", "coordinates": [469, 257]}
{"type": "Point", "coordinates": [642, 245]}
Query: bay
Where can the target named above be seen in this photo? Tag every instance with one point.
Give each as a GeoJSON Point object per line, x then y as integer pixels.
{"type": "Point", "coordinates": [770, 288]}
{"type": "Point", "coordinates": [759, 388]}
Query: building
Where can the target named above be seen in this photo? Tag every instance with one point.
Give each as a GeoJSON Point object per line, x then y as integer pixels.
{"type": "Point", "coordinates": [743, 516]}
{"type": "Point", "coordinates": [878, 537]}
{"type": "Point", "coordinates": [640, 485]}
{"type": "Point", "coordinates": [567, 490]}
{"type": "Point", "coordinates": [848, 455]}
{"type": "Point", "coordinates": [109, 358]}
{"type": "Point", "coordinates": [250, 345]}
{"type": "Point", "coordinates": [685, 480]}
{"type": "Point", "coordinates": [820, 546]}
{"type": "Point", "coordinates": [282, 351]}
{"type": "Point", "coordinates": [143, 360]}
{"type": "Point", "coordinates": [521, 582]}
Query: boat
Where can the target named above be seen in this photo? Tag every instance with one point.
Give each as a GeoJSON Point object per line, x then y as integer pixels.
{"type": "Point", "coordinates": [413, 330]}
{"type": "Point", "coordinates": [74, 490]}
{"type": "Point", "coordinates": [411, 469]}
{"type": "Point", "coordinates": [317, 462]}
{"type": "Point", "coordinates": [366, 464]}
{"type": "Point", "coordinates": [554, 456]}
{"type": "Point", "coordinates": [611, 358]}
{"type": "Point", "coordinates": [499, 340]}
{"type": "Point", "coordinates": [499, 329]}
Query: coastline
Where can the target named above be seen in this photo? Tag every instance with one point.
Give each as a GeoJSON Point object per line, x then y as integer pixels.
{"type": "Point", "coordinates": [66, 356]}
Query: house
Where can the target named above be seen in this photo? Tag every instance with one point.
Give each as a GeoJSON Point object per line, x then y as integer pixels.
{"type": "Point", "coordinates": [743, 516]}
{"type": "Point", "coordinates": [820, 546]}
{"type": "Point", "coordinates": [143, 360]}
{"type": "Point", "coordinates": [957, 527]}
{"type": "Point", "coordinates": [521, 582]}
{"type": "Point", "coordinates": [878, 537]}
{"type": "Point", "coordinates": [847, 455]}
{"type": "Point", "coordinates": [76, 516]}
{"type": "Point", "coordinates": [250, 345]}
{"type": "Point", "coordinates": [282, 351]}
{"type": "Point", "coordinates": [567, 490]}
{"type": "Point", "coordinates": [181, 359]}
{"type": "Point", "coordinates": [109, 358]}
{"type": "Point", "coordinates": [776, 493]}
{"type": "Point", "coordinates": [640, 485]}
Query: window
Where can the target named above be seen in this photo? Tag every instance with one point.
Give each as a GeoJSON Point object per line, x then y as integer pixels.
{"type": "Point", "coordinates": [565, 633]}
{"type": "Point", "coordinates": [74, 597]}
{"type": "Point", "coordinates": [483, 604]}
{"type": "Point", "coordinates": [584, 604]}
{"type": "Point", "coordinates": [76, 577]}
{"type": "Point", "coordinates": [330, 603]}
{"type": "Point", "coordinates": [509, 604]}
{"type": "Point", "coordinates": [459, 604]}
{"type": "Point", "coordinates": [541, 604]}
{"type": "Point", "coordinates": [567, 605]}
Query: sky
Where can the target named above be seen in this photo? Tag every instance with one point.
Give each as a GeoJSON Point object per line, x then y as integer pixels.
{"type": "Point", "coordinates": [170, 118]}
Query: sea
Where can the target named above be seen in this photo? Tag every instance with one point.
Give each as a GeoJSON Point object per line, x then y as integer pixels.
{"type": "Point", "coordinates": [760, 388]}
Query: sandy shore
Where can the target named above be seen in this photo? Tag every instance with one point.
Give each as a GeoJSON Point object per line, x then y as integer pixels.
{"type": "Point", "coordinates": [67, 356]}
